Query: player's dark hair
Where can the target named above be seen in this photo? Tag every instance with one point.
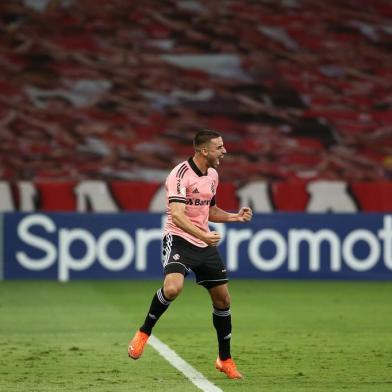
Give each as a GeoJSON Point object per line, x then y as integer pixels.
{"type": "Point", "coordinates": [203, 137]}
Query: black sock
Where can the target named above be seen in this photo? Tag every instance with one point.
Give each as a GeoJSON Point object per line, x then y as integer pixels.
{"type": "Point", "coordinates": [158, 306]}
{"type": "Point", "coordinates": [222, 323]}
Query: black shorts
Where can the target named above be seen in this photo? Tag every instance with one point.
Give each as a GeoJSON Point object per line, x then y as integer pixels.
{"type": "Point", "coordinates": [181, 256]}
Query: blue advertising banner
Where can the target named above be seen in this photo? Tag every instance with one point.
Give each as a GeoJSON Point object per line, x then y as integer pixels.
{"type": "Point", "coordinates": [128, 246]}
{"type": "Point", "coordinates": [68, 246]}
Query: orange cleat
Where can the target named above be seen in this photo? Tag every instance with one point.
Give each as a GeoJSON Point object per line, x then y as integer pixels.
{"type": "Point", "coordinates": [136, 345]}
{"type": "Point", "coordinates": [228, 367]}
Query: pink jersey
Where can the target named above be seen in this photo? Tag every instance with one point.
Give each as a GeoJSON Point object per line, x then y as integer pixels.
{"type": "Point", "coordinates": [187, 184]}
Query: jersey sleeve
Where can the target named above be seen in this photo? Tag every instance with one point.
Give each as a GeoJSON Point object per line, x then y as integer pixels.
{"type": "Point", "coordinates": [176, 187]}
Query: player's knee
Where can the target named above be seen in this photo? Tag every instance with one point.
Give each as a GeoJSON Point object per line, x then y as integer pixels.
{"type": "Point", "coordinates": [222, 302]}
{"type": "Point", "coordinates": [172, 290]}
{"type": "Point", "coordinates": [226, 302]}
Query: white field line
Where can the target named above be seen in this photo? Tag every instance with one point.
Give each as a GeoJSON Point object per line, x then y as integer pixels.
{"type": "Point", "coordinates": [187, 370]}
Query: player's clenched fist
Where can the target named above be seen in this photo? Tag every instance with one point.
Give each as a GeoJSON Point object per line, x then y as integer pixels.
{"type": "Point", "coordinates": [212, 238]}
{"type": "Point", "coordinates": [245, 214]}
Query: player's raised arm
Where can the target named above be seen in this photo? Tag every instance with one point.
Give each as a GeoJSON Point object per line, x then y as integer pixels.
{"type": "Point", "coordinates": [221, 216]}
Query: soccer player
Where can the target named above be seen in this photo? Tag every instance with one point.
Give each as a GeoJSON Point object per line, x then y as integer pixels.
{"type": "Point", "coordinates": [188, 244]}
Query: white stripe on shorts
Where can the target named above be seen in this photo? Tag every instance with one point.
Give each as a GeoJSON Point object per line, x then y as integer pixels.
{"type": "Point", "coordinates": [169, 243]}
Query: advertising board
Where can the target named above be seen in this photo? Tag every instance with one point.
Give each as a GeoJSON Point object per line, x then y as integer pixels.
{"type": "Point", "coordinates": [67, 246]}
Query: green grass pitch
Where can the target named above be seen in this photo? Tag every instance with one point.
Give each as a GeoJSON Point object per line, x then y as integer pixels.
{"type": "Point", "coordinates": [287, 336]}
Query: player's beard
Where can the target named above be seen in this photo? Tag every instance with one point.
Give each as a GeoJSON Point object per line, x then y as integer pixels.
{"type": "Point", "coordinates": [213, 162]}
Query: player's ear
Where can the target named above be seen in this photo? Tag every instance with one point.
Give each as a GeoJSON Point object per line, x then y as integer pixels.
{"type": "Point", "coordinates": [204, 151]}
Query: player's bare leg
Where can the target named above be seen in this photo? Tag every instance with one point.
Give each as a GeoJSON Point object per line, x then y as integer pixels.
{"type": "Point", "coordinates": [172, 285]}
